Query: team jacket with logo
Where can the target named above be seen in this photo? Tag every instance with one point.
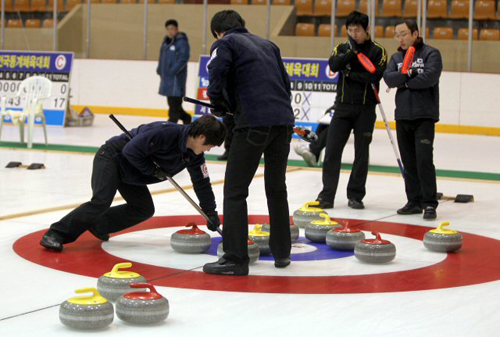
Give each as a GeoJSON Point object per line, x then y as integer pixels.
{"type": "Point", "coordinates": [417, 97]}
{"type": "Point", "coordinates": [165, 143]}
{"type": "Point", "coordinates": [354, 83]}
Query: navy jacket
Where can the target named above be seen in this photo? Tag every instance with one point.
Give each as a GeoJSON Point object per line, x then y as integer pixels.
{"type": "Point", "coordinates": [165, 143]}
{"type": "Point", "coordinates": [172, 66]}
{"type": "Point", "coordinates": [354, 83]}
{"type": "Point", "coordinates": [247, 72]}
{"type": "Point", "coordinates": [418, 97]}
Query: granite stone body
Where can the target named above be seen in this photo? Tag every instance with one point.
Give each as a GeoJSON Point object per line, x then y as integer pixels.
{"type": "Point", "coordinates": [343, 240]}
{"type": "Point", "coordinates": [443, 242]}
{"type": "Point", "coordinates": [294, 231]}
{"type": "Point", "coordinates": [306, 214]}
{"type": "Point", "coordinates": [192, 241]}
{"type": "Point", "coordinates": [316, 230]}
{"type": "Point", "coordinates": [375, 250]}
{"type": "Point", "coordinates": [112, 288]}
{"type": "Point", "coordinates": [142, 311]}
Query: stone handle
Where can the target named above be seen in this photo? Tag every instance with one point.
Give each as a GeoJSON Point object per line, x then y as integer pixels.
{"type": "Point", "coordinates": [143, 285]}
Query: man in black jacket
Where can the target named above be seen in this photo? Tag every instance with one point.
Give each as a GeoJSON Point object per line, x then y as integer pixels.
{"type": "Point", "coordinates": [247, 78]}
{"type": "Point", "coordinates": [417, 111]}
{"type": "Point", "coordinates": [128, 166]}
{"type": "Point", "coordinates": [354, 111]}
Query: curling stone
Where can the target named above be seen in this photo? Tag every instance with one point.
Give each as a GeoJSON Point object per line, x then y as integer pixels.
{"type": "Point", "coordinates": [344, 238]}
{"type": "Point", "coordinates": [191, 241]}
{"type": "Point", "coordinates": [306, 214]}
{"type": "Point", "coordinates": [142, 307]}
{"type": "Point", "coordinates": [375, 250]}
{"type": "Point", "coordinates": [317, 229]}
{"type": "Point", "coordinates": [443, 240]}
{"type": "Point", "coordinates": [294, 230]}
{"type": "Point", "coordinates": [253, 251]}
{"type": "Point", "coordinates": [86, 312]}
{"type": "Point", "coordinates": [261, 238]}
{"type": "Point", "coordinates": [116, 283]}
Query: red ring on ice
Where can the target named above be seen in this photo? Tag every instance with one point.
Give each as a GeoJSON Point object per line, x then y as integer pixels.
{"type": "Point", "coordinates": [477, 262]}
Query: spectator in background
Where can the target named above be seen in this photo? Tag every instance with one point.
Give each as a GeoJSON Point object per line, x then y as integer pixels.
{"type": "Point", "coordinates": [172, 68]}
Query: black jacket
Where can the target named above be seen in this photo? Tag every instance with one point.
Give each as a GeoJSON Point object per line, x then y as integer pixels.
{"type": "Point", "coordinates": [418, 97]}
{"type": "Point", "coordinates": [354, 83]}
{"type": "Point", "coordinates": [165, 143]}
{"type": "Point", "coordinates": [247, 72]}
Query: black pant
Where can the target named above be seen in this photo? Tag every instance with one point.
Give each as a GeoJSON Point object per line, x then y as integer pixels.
{"type": "Point", "coordinates": [228, 121]}
{"type": "Point", "coordinates": [105, 182]}
{"type": "Point", "coordinates": [361, 119]}
{"type": "Point", "coordinates": [318, 145]}
{"type": "Point", "coordinates": [415, 140]}
{"type": "Point", "coordinates": [176, 111]}
{"type": "Point", "coordinates": [246, 150]}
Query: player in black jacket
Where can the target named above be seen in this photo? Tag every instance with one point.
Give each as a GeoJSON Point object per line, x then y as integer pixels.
{"type": "Point", "coordinates": [417, 111]}
{"type": "Point", "coordinates": [354, 111]}
{"type": "Point", "coordinates": [128, 166]}
{"type": "Point", "coordinates": [247, 76]}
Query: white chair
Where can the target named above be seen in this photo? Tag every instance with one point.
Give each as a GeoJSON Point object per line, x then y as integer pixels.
{"type": "Point", "coordinates": [31, 93]}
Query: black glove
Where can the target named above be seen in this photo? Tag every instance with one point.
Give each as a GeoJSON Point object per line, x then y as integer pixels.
{"type": "Point", "coordinates": [412, 72]}
{"type": "Point", "coordinates": [160, 174]}
{"type": "Point", "coordinates": [221, 108]}
{"type": "Point", "coordinates": [352, 44]}
{"type": "Point", "coordinates": [214, 222]}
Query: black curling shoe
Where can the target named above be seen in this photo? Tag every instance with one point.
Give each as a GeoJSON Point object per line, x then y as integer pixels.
{"type": "Point", "coordinates": [282, 263]}
{"type": "Point", "coordinates": [226, 267]}
{"type": "Point", "coordinates": [51, 243]}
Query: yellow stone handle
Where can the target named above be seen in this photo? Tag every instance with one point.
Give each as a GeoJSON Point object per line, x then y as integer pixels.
{"type": "Point", "coordinates": [94, 292]}
{"type": "Point", "coordinates": [95, 298]}
{"type": "Point", "coordinates": [120, 266]}
{"type": "Point", "coordinates": [307, 207]}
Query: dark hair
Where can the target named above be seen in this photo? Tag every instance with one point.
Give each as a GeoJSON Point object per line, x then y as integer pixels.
{"type": "Point", "coordinates": [226, 20]}
{"type": "Point", "coordinates": [171, 22]}
{"type": "Point", "coordinates": [356, 18]}
{"type": "Point", "coordinates": [411, 24]}
{"type": "Point", "coordinates": [210, 127]}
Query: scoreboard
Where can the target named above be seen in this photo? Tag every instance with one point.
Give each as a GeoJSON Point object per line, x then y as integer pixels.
{"type": "Point", "coordinates": [16, 66]}
{"type": "Point", "coordinates": [313, 87]}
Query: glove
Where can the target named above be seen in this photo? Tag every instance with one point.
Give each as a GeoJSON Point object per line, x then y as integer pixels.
{"type": "Point", "coordinates": [412, 72]}
{"type": "Point", "coordinates": [214, 222]}
{"type": "Point", "coordinates": [221, 108]}
{"type": "Point", "coordinates": [352, 44]}
{"type": "Point", "coordinates": [346, 72]}
{"type": "Point", "coordinates": [160, 174]}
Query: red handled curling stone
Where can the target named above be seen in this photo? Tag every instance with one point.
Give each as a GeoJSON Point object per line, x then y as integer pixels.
{"type": "Point", "coordinates": [344, 238]}
{"type": "Point", "coordinates": [294, 230]}
{"type": "Point", "coordinates": [317, 229]}
{"type": "Point", "coordinates": [142, 307]}
{"type": "Point", "coordinates": [190, 241]}
{"type": "Point", "coordinates": [253, 251]}
{"type": "Point", "coordinates": [375, 250]}
{"type": "Point", "coordinates": [116, 283]}
{"type": "Point", "coordinates": [86, 312]}
{"type": "Point", "coordinates": [304, 215]}
{"type": "Point", "coordinates": [443, 240]}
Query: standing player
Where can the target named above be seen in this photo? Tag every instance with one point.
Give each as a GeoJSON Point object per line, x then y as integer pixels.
{"type": "Point", "coordinates": [248, 78]}
{"type": "Point", "coordinates": [417, 111]}
{"type": "Point", "coordinates": [128, 166]}
{"type": "Point", "coordinates": [172, 68]}
{"type": "Point", "coordinates": [354, 111]}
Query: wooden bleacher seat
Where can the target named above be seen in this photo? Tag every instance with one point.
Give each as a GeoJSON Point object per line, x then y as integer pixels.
{"type": "Point", "coordinates": [463, 34]}
{"type": "Point", "coordinates": [33, 23]}
{"type": "Point", "coordinates": [149, 1]}
{"type": "Point", "coordinates": [9, 5]}
{"type": "Point", "coordinates": [344, 7]}
{"type": "Point", "coordinates": [282, 2]}
{"type": "Point", "coordinates": [14, 23]}
{"type": "Point", "coordinates": [38, 5]}
{"type": "Point", "coordinates": [48, 23]}
{"type": "Point", "coordinates": [259, 2]}
{"type": "Point", "coordinates": [392, 8]}
{"type": "Point", "coordinates": [323, 8]}
{"type": "Point", "coordinates": [379, 31]}
{"type": "Point", "coordinates": [304, 29]}
{"type": "Point", "coordinates": [411, 9]}
{"type": "Point", "coordinates": [22, 5]}
{"type": "Point", "coordinates": [442, 33]}
{"type": "Point", "coordinates": [484, 10]}
{"type": "Point", "coordinates": [304, 7]}
{"type": "Point", "coordinates": [128, 2]}
{"type": "Point", "coordinates": [363, 7]}
{"type": "Point", "coordinates": [389, 31]}
{"type": "Point", "coordinates": [459, 9]}
{"type": "Point", "coordinates": [325, 30]}
{"type": "Point", "coordinates": [108, 1]}
{"type": "Point", "coordinates": [343, 31]}
{"type": "Point", "coordinates": [167, 2]}
{"type": "Point", "coordinates": [489, 35]}
{"type": "Point", "coordinates": [437, 9]}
